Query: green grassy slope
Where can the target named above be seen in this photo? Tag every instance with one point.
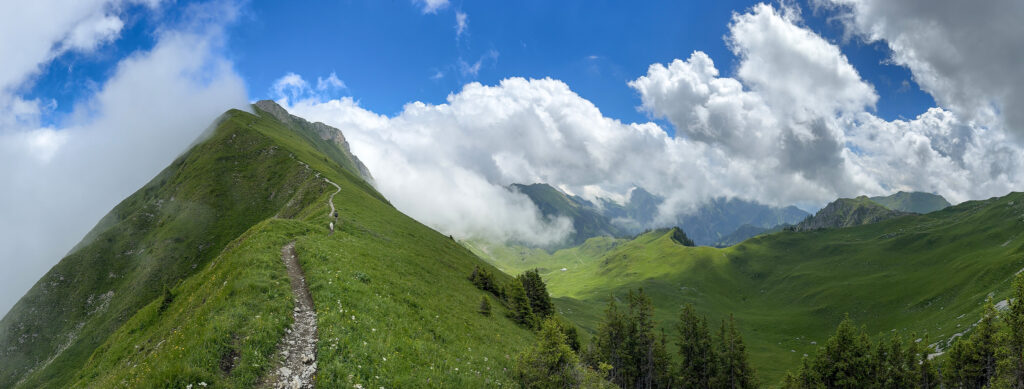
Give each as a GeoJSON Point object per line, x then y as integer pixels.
{"type": "Point", "coordinates": [250, 192]}
{"type": "Point", "coordinates": [924, 274]}
{"type": "Point", "coordinates": [917, 202]}
{"type": "Point", "coordinates": [163, 233]}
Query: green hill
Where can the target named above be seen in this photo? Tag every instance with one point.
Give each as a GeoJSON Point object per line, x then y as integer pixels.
{"type": "Point", "coordinates": [912, 274]}
{"type": "Point", "coordinates": [183, 281]}
{"type": "Point", "coordinates": [847, 213]}
{"type": "Point", "coordinates": [916, 202]}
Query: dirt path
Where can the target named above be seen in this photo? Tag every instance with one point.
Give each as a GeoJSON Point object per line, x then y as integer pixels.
{"type": "Point", "coordinates": [297, 350]}
{"type": "Point", "coordinates": [330, 201]}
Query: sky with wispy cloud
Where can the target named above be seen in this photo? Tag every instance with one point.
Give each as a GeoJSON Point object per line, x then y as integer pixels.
{"type": "Point", "coordinates": [447, 102]}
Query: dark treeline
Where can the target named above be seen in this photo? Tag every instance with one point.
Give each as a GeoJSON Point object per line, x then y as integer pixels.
{"type": "Point", "coordinates": [991, 355]}
{"type": "Point", "coordinates": [633, 355]}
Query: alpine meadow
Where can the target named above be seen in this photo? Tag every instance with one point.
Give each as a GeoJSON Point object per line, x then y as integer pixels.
{"type": "Point", "coordinates": [793, 194]}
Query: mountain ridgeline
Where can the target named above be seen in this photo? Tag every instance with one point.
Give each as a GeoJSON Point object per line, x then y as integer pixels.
{"type": "Point", "coordinates": [706, 225]}
{"type": "Point", "coordinates": [916, 202]}
{"type": "Point", "coordinates": [183, 283]}
{"type": "Point", "coordinates": [847, 213]}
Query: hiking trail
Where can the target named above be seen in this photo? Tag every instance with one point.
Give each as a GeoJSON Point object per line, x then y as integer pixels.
{"type": "Point", "coordinates": [297, 349]}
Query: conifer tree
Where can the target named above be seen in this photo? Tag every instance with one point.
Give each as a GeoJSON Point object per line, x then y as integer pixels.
{"type": "Point", "coordinates": [985, 339]}
{"type": "Point", "coordinates": [845, 361]}
{"type": "Point", "coordinates": [641, 368]}
{"type": "Point", "coordinates": [537, 292]}
{"type": "Point", "coordinates": [972, 361]}
{"type": "Point", "coordinates": [806, 377]}
{"type": "Point", "coordinates": [1011, 355]}
{"type": "Point", "coordinates": [550, 363]}
{"type": "Point", "coordinates": [572, 337]}
{"type": "Point", "coordinates": [519, 305]}
{"type": "Point", "coordinates": [485, 306]}
{"type": "Point", "coordinates": [610, 342]}
{"type": "Point", "coordinates": [734, 370]}
{"type": "Point", "coordinates": [926, 374]}
{"type": "Point", "coordinates": [696, 355]}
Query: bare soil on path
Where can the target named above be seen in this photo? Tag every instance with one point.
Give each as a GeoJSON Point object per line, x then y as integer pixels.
{"type": "Point", "coordinates": [296, 367]}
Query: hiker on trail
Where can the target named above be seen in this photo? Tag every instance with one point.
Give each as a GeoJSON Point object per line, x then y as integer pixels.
{"type": "Point", "coordinates": [335, 215]}
{"type": "Point", "coordinates": [331, 226]}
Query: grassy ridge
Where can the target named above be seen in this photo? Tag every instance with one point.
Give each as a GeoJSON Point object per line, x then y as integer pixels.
{"type": "Point", "coordinates": [924, 274]}
{"type": "Point", "coordinates": [163, 233]}
{"type": "Point", "coordinates": [235, 308]}
{"type": "Point", "coordinates": [395, 306]}
{"type": "Point", "coordinates": [234, 201]}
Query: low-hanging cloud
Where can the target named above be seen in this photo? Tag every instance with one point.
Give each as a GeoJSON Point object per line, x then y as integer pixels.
{"type": "Point", "coordinates": [64, 178]}
{"type": "Point", "coordinates": [795, 125]}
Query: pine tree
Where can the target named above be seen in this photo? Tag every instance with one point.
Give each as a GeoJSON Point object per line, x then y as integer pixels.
{"type": "Point", "coordinates": [1011, 355]}
{"type": "Point", "coordinates": [610, 342]}
{"type": "Point", "coordinates": [485, 306]}
{"type": "Point", "coordinates": [641, 368]}
{"type": "Point", "coordinates": [537, 292]}
{"type": "Point", "coordinates": [897, 365]}
{"type": "Point", "coordinates": [519, 305]}
{"type": "Point", "coordinates": [695, 350]}
{"type": "Point", "coordinates": [572, 337]}
{"type": "Point", "coordinates": [550, 363]}
{"type": "Point", "coordinates": [663, 374]}
{"type": "Point", "coordinates": [734, 370]}
{"type": "Point", "coordinates": [985, 338]}
{"type": "Point", "coordinates": [806, 377]}
{"type": "Point", "coordinates": [845, 361]}
{"type": "Point", "coordinates": [962, 369]}
{"type": "Point", "coordinates": [926, 374]}
{"type": "Point", "coordinates": [973, 360]}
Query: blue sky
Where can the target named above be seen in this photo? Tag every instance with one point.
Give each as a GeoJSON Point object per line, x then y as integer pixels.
{"type": "Point", "coordinates": [799, 107]}
{"type": "Point", "coordinates": [389, 53]}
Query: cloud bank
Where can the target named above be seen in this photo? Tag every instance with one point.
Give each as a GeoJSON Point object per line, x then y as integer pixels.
{"type": "Point", "coordinates": [63, 179]}
{"type": "Point", "coordinates": [795, 125]}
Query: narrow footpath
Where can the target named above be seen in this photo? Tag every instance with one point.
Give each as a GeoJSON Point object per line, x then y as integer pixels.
{"type": "Point", "coordinates": [297, 350]}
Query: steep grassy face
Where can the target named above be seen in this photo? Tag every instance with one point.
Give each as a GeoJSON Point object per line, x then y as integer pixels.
{"type": "Point", "coordinates": [219, 326]}
{"type": "Point", "coordinates": [916, 202]}
{"type": "Point", "coordinates": [163, 233]}
{"type": "Point", "coordinates": [396, 308]}
{"type": "Point", "coordinates": [915, 274]}
{"type": "Point", "coordinates": [183, 282]}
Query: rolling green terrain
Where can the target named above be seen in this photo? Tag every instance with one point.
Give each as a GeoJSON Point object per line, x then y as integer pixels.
{"type": "Point", "coordinates": [183, 281]}
{"type": "Point", "coordinates": [913, 274]}
{"type": "Point", "coordinates": [916, 202]}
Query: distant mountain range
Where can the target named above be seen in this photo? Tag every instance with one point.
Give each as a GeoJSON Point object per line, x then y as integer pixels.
{"type": "Point", "coordinates": [721, 221]}
{"type": "Point", "coordinates": [707, 225]}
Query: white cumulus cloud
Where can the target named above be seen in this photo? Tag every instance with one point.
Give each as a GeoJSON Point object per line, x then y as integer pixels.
{"type": "Point", "coordinates": [966, 54]}
{"type": "Point", "coordinates": [795, 125]}
{"type": "Point", "coordinates": [66, 177]}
